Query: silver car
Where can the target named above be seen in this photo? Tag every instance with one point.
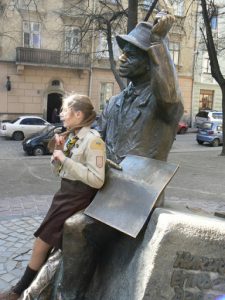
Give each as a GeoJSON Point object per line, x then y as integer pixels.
{"type": "Point", "coordinates": [208, 115]}
{"type": "Point", "coordinates": [23, 127]}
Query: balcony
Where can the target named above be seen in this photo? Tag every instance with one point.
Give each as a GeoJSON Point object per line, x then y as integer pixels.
{"type": "Point", "coordinates": [52, 58]}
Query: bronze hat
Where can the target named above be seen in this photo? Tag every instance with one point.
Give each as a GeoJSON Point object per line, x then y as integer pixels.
{"type": "Point", "coordinates": [140, 36]}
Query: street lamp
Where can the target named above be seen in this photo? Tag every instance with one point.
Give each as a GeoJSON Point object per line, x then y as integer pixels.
{"type": "Point", "coordinates": [8, 84]}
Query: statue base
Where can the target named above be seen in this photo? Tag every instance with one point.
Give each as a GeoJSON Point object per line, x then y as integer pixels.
{"type": "Point", "coordinates": [178, 256]}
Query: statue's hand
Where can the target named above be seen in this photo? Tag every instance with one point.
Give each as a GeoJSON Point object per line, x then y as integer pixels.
{"type": "Point", "coordinates": [162, 26]}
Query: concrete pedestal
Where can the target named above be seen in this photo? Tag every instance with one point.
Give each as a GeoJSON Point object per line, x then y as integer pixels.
{"type": "Point", "coordinates": [179, 256]}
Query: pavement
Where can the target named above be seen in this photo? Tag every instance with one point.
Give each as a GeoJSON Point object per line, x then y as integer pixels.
{"type": "Point", "coordinates": [197, 185]}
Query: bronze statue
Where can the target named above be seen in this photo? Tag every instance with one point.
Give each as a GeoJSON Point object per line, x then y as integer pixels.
{"type": "Point", "coordinates": [141, 120]}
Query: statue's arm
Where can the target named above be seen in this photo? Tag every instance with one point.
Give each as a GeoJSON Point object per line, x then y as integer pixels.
{"type": "Point", "coordinates": [164, 77]}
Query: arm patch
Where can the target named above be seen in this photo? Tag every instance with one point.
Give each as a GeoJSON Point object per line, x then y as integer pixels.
{"type": "Point", "coordinates": [97, 144]}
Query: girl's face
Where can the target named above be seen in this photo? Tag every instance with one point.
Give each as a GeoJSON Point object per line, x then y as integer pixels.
{"type": "Point", "coordinates": [70, 117]}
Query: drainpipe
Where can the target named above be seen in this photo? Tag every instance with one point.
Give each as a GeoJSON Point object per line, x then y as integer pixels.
{"type": "Point", "coordinates": [193, 65]}
{"type": "Point", "coordinates": [92, 55]}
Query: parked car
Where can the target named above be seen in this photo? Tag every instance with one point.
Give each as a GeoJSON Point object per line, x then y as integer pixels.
{"type": "Point", "coordinates": [23, 127]}
{"type": "Point", "coordinates": [208, 115]}
{"type": "Point", "coordinates": [210, 132]}
{"type": "Point", "coordinates": [182, 127]}
{"type": "Point", "coordinates": [37, 144]}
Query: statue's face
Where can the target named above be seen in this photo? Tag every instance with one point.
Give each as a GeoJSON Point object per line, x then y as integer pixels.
{"type": "Point", "coordinates": [133, 62]}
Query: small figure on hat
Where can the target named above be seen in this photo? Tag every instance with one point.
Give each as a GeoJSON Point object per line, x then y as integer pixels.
{"type": "Point", "coordinates": [143, 118]}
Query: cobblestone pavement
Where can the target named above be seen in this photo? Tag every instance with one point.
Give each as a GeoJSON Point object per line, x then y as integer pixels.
{"type": "Point", "coordinates": [20, 217]}
{"type": "Point", "coordinates": [15, 248]}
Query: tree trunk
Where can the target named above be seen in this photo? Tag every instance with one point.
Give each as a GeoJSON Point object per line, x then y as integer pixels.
{"type": "Point", "coordinates": [223, 109]}
{"type": "Point", "coordinates": [151, 8]}
{"type": "Point", "coordinates": [111, 58]}
{"type": "Point", "coordinates": [132, 14]}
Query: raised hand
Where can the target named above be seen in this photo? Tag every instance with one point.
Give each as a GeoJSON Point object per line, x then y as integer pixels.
{"type": "Point", "coordinates": [162, 26]}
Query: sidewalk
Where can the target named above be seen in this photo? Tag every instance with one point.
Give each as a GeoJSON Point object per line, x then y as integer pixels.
{"type": "Point", "coordinates": [20, 217]}
{"type": "Point", "coordinates": [16, 239]}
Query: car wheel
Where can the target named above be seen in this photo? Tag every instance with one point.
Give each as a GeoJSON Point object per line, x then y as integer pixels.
{"type": "Point", "coordinates": [215, 143]}
{"type": "Point", "coordinates": [200, 142]}
{"type": "Point", "coordinates": [18, 136]}
{"type": "Point", "coordinates": [39, 150]}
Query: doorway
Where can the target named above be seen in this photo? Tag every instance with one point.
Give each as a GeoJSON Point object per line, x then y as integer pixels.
{"type": "Point", "coordinates": [54, 102]}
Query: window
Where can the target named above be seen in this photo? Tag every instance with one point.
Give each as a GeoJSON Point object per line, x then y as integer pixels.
{"type": "Point", "coordinates": [27, 121]}
{"type": "Point", "coordinates": [102, 49]}
{"type": "Point", "coordinates": [72, 39]}
{"type": "Point", "coordinates": [174, 49]}
{"type": "Point", "coordinates": [206, 67]}
{"type": "Point", "coordinates": [31, 34]}
{"type": "Point", "coordinates": [214, 20]}
{"type": "Point", "coordinates": [147, 3]}
{"type": "Point", "coordinates": [106, 93]}
{"type": "Point", "coordinates": [37, 122]}
{"type": "Point", "coordinates": [206, 99]}
{"type": "Point", "coordinates": [32, 121]}
{"type": "Point", "coordinates": [178, 7]}
{"type": "Point", "coordinates": [55, 83]}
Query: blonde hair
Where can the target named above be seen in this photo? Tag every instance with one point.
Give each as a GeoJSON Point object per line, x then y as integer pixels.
{"type": "Point", "coordinates": [80, 103]}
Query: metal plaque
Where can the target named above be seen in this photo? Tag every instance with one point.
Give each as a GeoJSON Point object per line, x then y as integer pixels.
{"type": "Point", "coordinates": [128, 196]}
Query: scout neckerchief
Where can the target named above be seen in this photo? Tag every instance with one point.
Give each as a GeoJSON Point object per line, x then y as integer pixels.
{"type": "Point", "coordinates": [70, 144]}
{"type": "Point", "coordinates": [68, 147]}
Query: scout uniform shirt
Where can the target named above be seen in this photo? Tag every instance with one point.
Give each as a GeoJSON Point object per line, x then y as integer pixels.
{"type": "Point", "coordinates": [87, 158]}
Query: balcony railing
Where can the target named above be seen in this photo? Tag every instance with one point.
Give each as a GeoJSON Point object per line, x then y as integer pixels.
{"type": "Point", "coordinates": [33, 56]}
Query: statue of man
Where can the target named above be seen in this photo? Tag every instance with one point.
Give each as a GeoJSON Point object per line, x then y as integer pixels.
{"type": "Point", "coordinates": [143, 118]}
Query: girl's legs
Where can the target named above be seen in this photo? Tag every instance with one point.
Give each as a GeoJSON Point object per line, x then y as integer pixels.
{"type": "Point", "coordinates": [39, 254]}
{"type": "Point", "coordinates": [38, 258]}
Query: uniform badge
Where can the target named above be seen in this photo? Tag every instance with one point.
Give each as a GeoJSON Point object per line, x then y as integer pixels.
{"type": "Point", "coordinates": [99, 161]}
{"type": "Point", "coordinates": [97, 144]}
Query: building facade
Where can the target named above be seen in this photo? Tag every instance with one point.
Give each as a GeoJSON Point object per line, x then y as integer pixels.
{"type": "Point", "coordinates": [48, 50]}
{"type": "Point", "coordinates": [206, 91]}
{"type": "Point", "coordinates": [42, 57]}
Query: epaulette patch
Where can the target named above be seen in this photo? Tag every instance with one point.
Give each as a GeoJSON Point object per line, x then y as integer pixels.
{"type": "Point", "coordinates": [97, 144]}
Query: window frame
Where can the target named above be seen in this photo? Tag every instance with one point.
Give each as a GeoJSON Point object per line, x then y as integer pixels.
{"type": "Point", "coordinates": [32, 32]}
{"type": "Point", "coordinates": [104, 94]}
{"type": "Point", "coordinates": [206, 67]}
{"type": "Point", "coordinates": [175, 52]}
{"type": "Point", "coordinates": [178, 8]}
{"type": "Point", "coordinates": [208, 97]}
{"type": "Point", "coordinates": [67, 30]}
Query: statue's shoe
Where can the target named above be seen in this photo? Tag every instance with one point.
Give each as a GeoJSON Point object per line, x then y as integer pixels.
{"type": "Point", "coordinates": [10, 295]}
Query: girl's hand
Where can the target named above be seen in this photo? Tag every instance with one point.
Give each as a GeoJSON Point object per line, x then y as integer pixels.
{"type": "Point", "coordinates": [58, 155]}
{"type": "Point", "coordinates": [59, 142]}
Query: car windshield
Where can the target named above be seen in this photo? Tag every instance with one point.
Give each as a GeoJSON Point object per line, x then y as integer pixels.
{"type": "Point", "coordinates": [206, 125]}
{"type": "Point", "coordinates": [217, 115]}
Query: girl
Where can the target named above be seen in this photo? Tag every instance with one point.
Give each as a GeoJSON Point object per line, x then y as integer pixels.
{"type": "Point", "coordinates": [79, 159]}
